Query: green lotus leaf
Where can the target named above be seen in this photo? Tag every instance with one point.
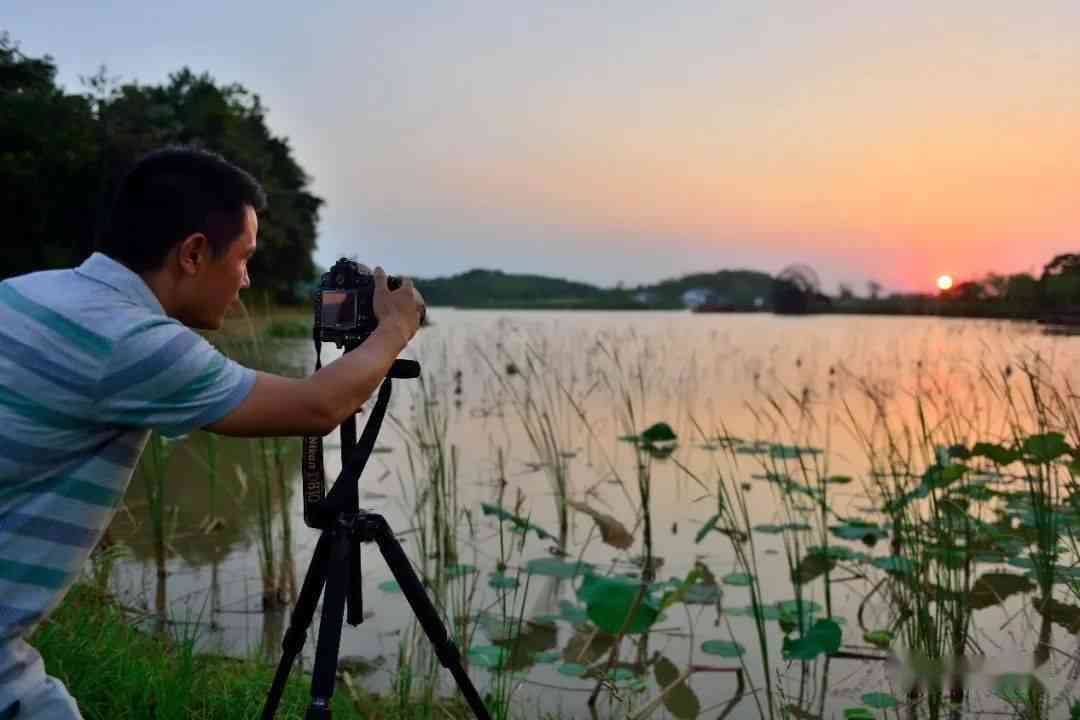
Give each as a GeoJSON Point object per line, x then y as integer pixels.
{"type": "Point", "coordinates": [456, 570]}
{"type": "Point", "coordinates": [1063, 614]}
{"type": "Point", "coordinates": [895, 564]}
{"type": "Point", "coordinates": [1046, 447]}
{"type": "Point", "coordinates": [998, 454]}
{"type": "Point", "coordinates": [621, 675]}
{"type": "Point", "coordinates": [879, 638]}
{"type": "Point", "coordinates": [609, 601]}
{"type": "Point", "coordinates": [571, 613]}
{"type": "Point", "coordinates": [488, 656]}
{"type": "Point", "coordinates": [500, 581]}
{"type": "Point", "coordinates": [660, 432]}
{"type": "Point", "coordinates": [723, 648]}
{"type": "Point", "coordinates": [993, 587]}
{"type": "Point", "coordinates": [880, 700]}
{"type": "Point", "coordinates": [519, 523]}
{"type": "Point", "coordinates": [858, 530]}
{"type": "Point", "coordinates": [738, 579]}
{"type": "Point", "coordinates": [708, 527]}
{"type": "Point", "coordinates": [813, 566]}
{"type": "Point", "coordinates": [858, 713]}
{"type": "Point", "coordinates": [679, 699]}
{"type": "Point", "coordinates": [824, 637]}
{"type": "Point", "coordinates": [1015, 687]}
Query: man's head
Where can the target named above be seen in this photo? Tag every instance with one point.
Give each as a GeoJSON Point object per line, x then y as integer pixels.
{"type": "Point", "coordinates": [184, 219]}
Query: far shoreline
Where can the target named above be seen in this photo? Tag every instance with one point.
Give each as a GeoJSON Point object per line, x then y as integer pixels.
{"type": "Point", "coordinates": [862, 312]}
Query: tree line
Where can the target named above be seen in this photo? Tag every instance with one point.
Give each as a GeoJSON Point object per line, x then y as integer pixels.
{"type": "Point", "coordinates": [62, 155]}
{"type": "Point", "coordinates": [1052, 295]}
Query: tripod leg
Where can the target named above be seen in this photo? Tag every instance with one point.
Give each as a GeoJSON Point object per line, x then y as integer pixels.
{"type": "Point", "coordinates": [425, 612]}
{"type": "Point", "coordinates": [354, 607]}
{"type": "Point", "coordinates": [324, 673]}
{"type": "Point", "coordinates": [299, 622]}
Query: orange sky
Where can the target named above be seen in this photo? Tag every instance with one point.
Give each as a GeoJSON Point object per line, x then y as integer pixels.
{"type": "Point", "coordinates": [642, 140]}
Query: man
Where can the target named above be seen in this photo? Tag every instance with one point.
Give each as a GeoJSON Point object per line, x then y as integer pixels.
{"type": "Point", "coordinates": [92, 358]}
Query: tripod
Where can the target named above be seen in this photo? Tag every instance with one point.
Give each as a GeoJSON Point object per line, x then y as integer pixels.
{"type": "Point", "coordinates": [335, 564]}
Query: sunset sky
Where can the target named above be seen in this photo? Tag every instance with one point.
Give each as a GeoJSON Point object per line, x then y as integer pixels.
{"type": "Point", "coordinates": [636, 141]}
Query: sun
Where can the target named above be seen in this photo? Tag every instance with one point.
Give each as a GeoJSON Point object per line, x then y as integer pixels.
{"type": "Point", "coordinates": [944, 282]}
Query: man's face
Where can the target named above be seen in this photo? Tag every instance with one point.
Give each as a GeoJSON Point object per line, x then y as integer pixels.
{"type": "Point", "coordinates": [226, 274]}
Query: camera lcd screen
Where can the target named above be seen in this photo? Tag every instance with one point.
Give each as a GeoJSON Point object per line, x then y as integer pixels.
{"type": "Point", "coordinates": [339, 310]}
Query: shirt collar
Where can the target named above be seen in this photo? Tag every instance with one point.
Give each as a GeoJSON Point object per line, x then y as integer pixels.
{"type": "Point", "coordinates": [105, 270]}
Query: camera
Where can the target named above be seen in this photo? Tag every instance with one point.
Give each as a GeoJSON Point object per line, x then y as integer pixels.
{"type": "Point", "coordinates": [343, 304]}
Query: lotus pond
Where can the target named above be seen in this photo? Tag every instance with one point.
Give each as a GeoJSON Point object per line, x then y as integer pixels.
{"type": "Point", "coordinates": [667, 515]}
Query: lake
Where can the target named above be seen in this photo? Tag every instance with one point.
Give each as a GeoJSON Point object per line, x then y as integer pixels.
{"type": "Point", "coordinates": [738, 463]}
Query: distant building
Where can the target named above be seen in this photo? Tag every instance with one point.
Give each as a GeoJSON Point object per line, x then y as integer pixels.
{"type": "Point", "coordinates": [697, 296]}
{"type": "Point", "coordinates": [645, 297]}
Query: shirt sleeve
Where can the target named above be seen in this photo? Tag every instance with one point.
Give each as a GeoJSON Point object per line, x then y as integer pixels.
{"type": "Point", "coordinates": [165, 376]}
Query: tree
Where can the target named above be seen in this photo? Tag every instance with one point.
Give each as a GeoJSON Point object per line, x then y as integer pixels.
{"type": "Point", "coordinates": [967, 291]}
{"type": "Point", "coordinates": [192, 109]}
{"type": "Point", "coordinates": [1059, 286]}
{"type": "Point", "coordinates": [1022, 292]}
{"type": "Point", "coordinates": [874, 288]}
{"type": "Point", "coordinates": [1064, 264]}
{"type": "Point", "coordinates": [995, 286]}
{"type": "Point", "coordinates": [62, 156]}
{"type": "Point", "coordinates": [48, 157]}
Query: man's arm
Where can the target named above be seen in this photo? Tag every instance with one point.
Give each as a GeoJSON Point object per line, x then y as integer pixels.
{"type": "Point", "coordinates": [278, 406]}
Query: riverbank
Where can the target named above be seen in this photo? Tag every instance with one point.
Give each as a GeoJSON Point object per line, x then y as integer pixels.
{"type": "Point", "coordinates": [116, 670]}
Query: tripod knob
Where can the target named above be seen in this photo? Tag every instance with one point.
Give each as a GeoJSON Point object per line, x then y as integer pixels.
{"type": "Point", "coordinates": [319, 709]}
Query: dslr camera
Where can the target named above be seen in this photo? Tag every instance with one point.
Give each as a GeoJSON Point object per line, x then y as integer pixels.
{"type": "Point", "coordinates": [344, 309]}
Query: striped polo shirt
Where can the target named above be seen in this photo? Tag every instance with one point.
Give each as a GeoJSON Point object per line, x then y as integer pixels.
{"type": "Point", "coordinates": [89, 364]}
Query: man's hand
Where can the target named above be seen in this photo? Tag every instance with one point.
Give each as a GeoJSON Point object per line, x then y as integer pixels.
{"type": "Point", "coordinates": [316, 405]}
{"type": "Point", "coordinates": [400, 310]}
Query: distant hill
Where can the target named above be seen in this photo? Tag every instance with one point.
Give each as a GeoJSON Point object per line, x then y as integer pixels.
{"type": "Point", "coordinates": [496, 289]}
{"type": "Point", "coordinates": [738, 288]}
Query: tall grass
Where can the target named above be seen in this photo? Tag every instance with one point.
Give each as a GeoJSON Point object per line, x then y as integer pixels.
{"type": "Point", "coordinates": [542, 388]}
{"type": "Point", "coordinates": [432, 496]}
{"type": "Point", "coordinates": [733, 519]}
{"type": "Point", "coordinates": [931, 477]}
{"type": "Point", "coordinates": [153, 466]}
{"type": "Point", "coordinates": [261, 485]}
{"type": "Point", "coordinates": [269, 479]}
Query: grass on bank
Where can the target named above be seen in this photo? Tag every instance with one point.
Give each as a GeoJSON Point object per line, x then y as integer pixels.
{"type": "Point", "coordinates": [118, 672]}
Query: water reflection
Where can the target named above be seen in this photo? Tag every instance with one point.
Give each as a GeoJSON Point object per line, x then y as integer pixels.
{"type": "Point", "coordinates": [207, 522]}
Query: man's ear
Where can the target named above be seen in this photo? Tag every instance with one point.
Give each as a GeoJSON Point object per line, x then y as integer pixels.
{"type": "Point", "coordinates": [193, 253]}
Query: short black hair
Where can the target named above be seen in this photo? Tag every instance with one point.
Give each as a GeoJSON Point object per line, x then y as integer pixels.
{"type": "Point", "coordinates": [170, 194]}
